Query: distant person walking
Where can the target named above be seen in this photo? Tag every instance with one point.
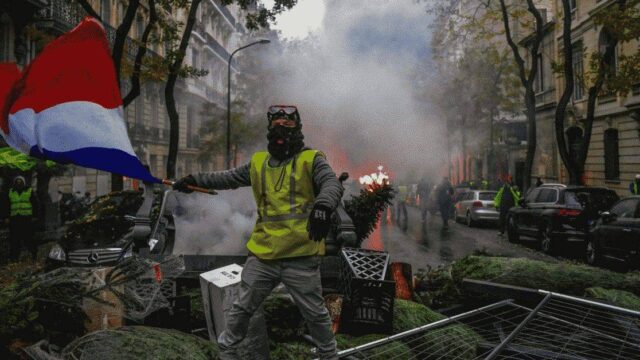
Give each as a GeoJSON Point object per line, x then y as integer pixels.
{"type": "Point", "coordinates": [401, 207]}
{"type": "Point", "coordinates": [506, 198]}
{"type": "Point", "coordinates": [634, 187]}
{"type": "Point", "coordinates": [423, 190]}
{"type": "Point", "coordinates": [20, 215]}
{"type": "Point", "coordinates": [539, 182]}
{"type": "Point", "coordinates": [445, 201]}
{"type": "Point", "coordinates": [484, 184]}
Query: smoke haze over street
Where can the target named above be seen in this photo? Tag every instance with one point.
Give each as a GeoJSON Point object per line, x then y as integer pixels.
{"type": "Point", "coordinates": [360, 82]}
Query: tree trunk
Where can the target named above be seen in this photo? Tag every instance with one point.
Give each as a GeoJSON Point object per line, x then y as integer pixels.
{"type": "Point", "coordinates": [526, 78]}
{"type": "Point", "coordinates": [174, 118]}
{"type": "Point", "coordinates": [569, 162]}
{"type": "Point", "coordinates": [530, 100]}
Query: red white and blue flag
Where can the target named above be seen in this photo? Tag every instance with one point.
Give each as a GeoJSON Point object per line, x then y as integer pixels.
{"type": "Point", "coordinates": [66, 105]}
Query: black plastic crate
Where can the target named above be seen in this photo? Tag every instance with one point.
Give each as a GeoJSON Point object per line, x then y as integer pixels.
{"type": "Point", "coordinates": [369, 308]}
{"type": "Point", "coordinates": [367, 305]}
{"type": "Point", "coordinates": [366, 264]}
{"type": "Point", "coordinates": [330, 273]}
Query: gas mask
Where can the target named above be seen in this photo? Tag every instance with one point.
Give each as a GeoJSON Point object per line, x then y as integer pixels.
{"type": "Point", "coordinates": [285, 142]}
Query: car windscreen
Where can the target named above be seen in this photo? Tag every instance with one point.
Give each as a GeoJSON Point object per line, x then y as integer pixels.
{"type": "Point", "coordinates": [597, 199]}
{"type": "Point", "coordinates": [487, 196]}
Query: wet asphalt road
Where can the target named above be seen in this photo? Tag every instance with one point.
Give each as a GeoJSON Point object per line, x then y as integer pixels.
{"type": "Point", "coordinates": [423, 244]}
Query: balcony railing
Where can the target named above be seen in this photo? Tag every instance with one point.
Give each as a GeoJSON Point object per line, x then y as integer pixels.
{"type": "Point", "coordinates": [225, 12]}
{"type": "Point", "coordinates": [66, 15]}
{"type": "Point", "coordinates": [141, 133]}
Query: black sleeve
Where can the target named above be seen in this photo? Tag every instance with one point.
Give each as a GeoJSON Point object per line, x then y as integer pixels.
{"type": "Point", "coordinates": [35, 204]}
{"type": "Point", "coordinates": [5, 206]}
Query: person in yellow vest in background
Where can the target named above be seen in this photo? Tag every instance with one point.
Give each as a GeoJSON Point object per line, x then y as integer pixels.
{"type": "Point", "coordinates": [295, 191]}
{"type": "Point", "coordinates": [634, 186]}
{"type": "Point", "coordinates": [20, 214]}
{"type": "Point", "coordinates": [507, 197]}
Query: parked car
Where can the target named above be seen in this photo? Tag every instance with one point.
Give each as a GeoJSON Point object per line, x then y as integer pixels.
{"type": "Point", "coordinates": [616, 234]}
{"type": "Point", "coordinates": [112, 230]}
{"type": "Point", "coordinates": [553, 213]}
{"type": "Point", "coordinates": [476, 206]}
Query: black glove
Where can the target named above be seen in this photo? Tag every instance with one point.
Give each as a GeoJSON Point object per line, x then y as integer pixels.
{"type": "Point", "coordinates": [319, 223]}
{"type": "Point", "coordinates": [181, 184]}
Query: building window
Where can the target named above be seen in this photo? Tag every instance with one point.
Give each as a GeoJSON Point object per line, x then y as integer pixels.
{"type": "Point", "coordinates": [195, 56]}
{"type": "Point", "coordinates": [5, 38]}
{"type": "Point", "coordinates": [574, 5]}
{"type": "Point", "coordinates": [539, 83]}
{"type": "Point", "coordinates": [140, 26]}
{"type": "Point", "coordinates": [121, 11]}
{"type": "Point", "coordinates": [578, 71]}
{"type": "Point", "coordinates": [105, 11]}
{"type": "Point", "coordinates": [606, 42]}
{"type": "Point", "coordinates": [153, 164]}
{"type": "Point", "coordinates": [139, 110]}
{"type": "Point", "coordinates": [190, 120]}
{"type": "Point", "coordinates": [611, 156]}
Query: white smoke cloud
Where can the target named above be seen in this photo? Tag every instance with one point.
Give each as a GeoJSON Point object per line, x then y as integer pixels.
{"type": "Point", "coordinates": [359, 84]}
{"type": "Point", "coordinates": [214, 225]}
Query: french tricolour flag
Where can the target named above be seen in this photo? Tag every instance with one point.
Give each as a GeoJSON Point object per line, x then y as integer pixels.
{"type": "Point", "coordinates": [66, 105]}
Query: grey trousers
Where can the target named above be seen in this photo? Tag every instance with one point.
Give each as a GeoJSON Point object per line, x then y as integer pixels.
{"type": "Point", "coordinates": [301, 277]}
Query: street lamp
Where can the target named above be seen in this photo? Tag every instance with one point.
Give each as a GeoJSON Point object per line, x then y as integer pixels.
{"type": "Point", "coordinates": [228, 156]}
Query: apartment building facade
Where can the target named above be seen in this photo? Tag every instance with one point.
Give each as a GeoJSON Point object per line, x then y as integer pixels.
{"type": "Point", "coordinates": [614, 150]}
{"type": "Point", "coordinates": [217, 30]}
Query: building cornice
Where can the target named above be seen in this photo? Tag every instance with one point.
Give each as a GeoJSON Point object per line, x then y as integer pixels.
{"type": "Point", "coordinates": [545, 29]}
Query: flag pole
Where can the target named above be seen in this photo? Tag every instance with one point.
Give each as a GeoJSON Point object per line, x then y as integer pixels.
{"type": "Point", "coordinates": [190, 187]}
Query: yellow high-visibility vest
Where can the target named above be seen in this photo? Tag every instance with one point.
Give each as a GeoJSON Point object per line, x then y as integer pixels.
{"type": "Point", "coordinates": [284, 196]}
{"type": "Point", "coordinates": [21, 202]}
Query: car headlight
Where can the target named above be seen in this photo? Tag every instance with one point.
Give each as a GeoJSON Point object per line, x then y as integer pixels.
{"type": "Point", "coordinates": [129, 253]}
{"type": "Point", "coordinates": [57, 253]}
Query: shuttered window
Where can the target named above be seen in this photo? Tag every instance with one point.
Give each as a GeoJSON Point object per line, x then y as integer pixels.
{"type": "Point", "coordinates": [611, 157]}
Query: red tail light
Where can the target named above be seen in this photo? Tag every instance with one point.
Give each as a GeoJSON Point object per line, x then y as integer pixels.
{"type": "Point", "coordinates": [568, 212]}
{"type": "Point", "coordinates": [477, 204]}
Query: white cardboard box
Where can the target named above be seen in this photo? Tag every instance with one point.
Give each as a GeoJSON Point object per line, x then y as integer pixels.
{"type": "Point", "coordinates": [219, 290]}
{"type": "Point", "coordinates": [218, 294]}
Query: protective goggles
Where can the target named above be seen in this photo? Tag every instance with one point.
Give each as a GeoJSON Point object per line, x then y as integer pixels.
{"type": "Point", "coordinates": [288, 112]}
{"type": "Point", "coordinates": [287, 109]}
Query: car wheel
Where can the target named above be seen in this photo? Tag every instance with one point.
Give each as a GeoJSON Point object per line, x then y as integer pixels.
{"type": "Point", "coordinates": [546, 240]}
{"type": "Point", "coordinates": [469, 221]}
{"type": "Point", "coordinates": [592, 252]}
{"type": "Point", "coordinates": [512, 230]}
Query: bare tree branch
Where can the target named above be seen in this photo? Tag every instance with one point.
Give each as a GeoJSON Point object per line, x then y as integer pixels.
{"type": "Point", "coordinates": [537, 39]}
{"type": "Point", "coordinates": [514, 48]}
{"type": "Point", "coordinates": [89, 9]}
{"type": "Point", "coordinates": [121, 35]}
{"type": "Point", "coordinates": [595, 90]}
{"type": "Point", "coordinates": [142, 50]}
{"type": "Point", "coordinates": [174, 118]}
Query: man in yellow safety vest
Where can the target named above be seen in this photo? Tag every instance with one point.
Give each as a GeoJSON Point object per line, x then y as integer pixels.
{"type": "Point", "coordinates": [295, 191]}
{"type": "Point", "coordinates": [22, 205]}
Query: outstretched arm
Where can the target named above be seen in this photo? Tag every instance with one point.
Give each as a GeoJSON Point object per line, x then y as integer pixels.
{"type": "Point", "coordinates": [226, 179]}
{"type": "Point", "coordinates": [325, 183]}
